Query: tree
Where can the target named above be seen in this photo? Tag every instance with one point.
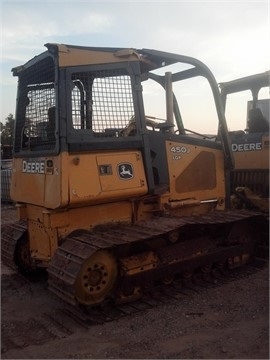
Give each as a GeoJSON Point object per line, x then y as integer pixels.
{"type": "Point", "coordinates": [7, 130]}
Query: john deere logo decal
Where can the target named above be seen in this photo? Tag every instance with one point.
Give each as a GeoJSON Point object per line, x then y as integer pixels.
{"type": "Point", "coordinates": [125, 171]}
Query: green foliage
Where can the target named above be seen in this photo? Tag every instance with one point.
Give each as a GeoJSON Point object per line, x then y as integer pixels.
{"type": "Point", "coordinates": [7, 130]}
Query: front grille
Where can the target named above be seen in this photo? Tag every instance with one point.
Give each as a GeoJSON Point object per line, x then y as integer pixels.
{"type": "Point", "coordinates": [256, 180]}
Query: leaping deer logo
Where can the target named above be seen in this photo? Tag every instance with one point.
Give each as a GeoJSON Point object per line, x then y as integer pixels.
{"type": "Point", "coordinates": [125, 171]}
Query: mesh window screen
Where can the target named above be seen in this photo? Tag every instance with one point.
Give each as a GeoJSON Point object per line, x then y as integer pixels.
{"type": "Point", "coordinates": [102, 102]}
{"type": "Point", "coordinates": [35, 121]}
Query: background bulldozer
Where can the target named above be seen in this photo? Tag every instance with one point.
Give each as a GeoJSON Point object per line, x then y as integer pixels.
{"type": "Point", "coordinates": [250, 145]}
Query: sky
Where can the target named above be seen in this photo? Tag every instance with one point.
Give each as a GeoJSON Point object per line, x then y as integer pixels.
{"type": "Point", "coordinates": [231, 37]}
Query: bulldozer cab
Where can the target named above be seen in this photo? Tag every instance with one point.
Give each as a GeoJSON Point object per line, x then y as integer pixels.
{"type": "Point", "coordinates": [79, 100]}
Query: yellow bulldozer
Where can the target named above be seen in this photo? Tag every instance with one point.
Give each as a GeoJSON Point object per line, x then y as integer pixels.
{"type": "Point", "coordinates": [112, 200]}
{"type": "Point", "coordinates": [250, 145]}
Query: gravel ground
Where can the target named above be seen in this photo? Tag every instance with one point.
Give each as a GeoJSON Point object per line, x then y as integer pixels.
{"type": "Point", "coordinates": [225, 322]}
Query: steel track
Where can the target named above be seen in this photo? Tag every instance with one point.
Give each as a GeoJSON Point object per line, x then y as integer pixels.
{"type": "Point", "coordinates": [161, 295]}
{"type": "Point", "coordinates": [80, 245]}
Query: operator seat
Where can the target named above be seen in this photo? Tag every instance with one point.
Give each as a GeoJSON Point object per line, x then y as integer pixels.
{"type": "Point", "coordinates": [257, 122]}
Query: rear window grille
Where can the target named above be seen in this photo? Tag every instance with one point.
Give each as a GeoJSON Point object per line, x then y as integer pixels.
{"type": "Point", "coordinates": [102, 102]}
{"type": "Point", "coordinates": [34, 129]}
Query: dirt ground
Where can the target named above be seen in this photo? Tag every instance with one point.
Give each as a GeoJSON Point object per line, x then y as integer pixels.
{"type": "Point", "coordinates": [223, 322]}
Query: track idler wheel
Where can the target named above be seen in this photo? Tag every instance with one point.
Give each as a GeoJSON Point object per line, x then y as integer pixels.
{"type": "Point", "coordinates": [22, 257]}
{"type": "Point", "coordinates": [96, 278]}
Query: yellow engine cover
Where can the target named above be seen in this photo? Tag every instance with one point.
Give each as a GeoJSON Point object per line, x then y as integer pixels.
{"type": "Point", "coordinates": [196, 172]}
{"type": "Point", "coordinates": [106, 177]}
{"type": "Point", "coordinates": [55, 182]}
{"type": "Point", "coordinates": [253, 155]}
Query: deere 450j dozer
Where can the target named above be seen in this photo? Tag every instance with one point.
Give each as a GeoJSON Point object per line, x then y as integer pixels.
{"type": "Point", "coordinates": [112, 200]}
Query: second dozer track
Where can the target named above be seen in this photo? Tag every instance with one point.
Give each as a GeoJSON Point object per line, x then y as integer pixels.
{"type": "Point", "coordinates": [119, 262]}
